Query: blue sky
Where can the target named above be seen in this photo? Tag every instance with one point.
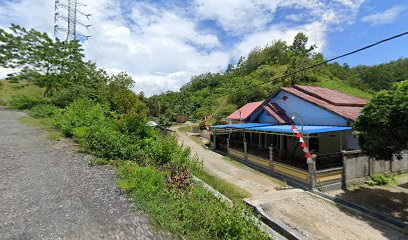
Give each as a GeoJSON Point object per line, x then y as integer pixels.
{"type": "Point", "coordinates": [163, 43]}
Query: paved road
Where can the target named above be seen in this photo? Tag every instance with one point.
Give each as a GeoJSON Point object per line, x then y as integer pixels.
{"type": "Point", "coordinates": [47, 191]}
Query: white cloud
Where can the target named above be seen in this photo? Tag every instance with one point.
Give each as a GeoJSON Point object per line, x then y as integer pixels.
{"type": "Point", "coordinates": [316, 32]}
{"type": "Point", "coordinates": [37, 14]}
{"type": "Point", "coordinates": [388, 16]}
{"type": "Point", "coordinates": [238, 16]}
{"type": "Point", "coordinates": [163, 47]}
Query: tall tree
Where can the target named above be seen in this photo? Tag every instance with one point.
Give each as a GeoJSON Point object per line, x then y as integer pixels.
{"type": "Point", "coordinates": [382, 127]}
{"type": "Point", "coordinates": [49, 60]}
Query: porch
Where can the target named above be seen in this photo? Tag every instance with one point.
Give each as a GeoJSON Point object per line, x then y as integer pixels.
{"type": "Point", "coordinates": [275, 150]}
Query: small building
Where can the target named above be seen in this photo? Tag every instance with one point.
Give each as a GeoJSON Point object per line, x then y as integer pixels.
{"type": "Point", "coordinates": [264, 138]}
{"type": "Point", "coordinates": [243, 113]}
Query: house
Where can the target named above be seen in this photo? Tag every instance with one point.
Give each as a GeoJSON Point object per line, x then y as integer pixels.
{"type": "Point", "coordinates": [243, 113]}
{"type": "Point", "coordinates": [265, 140]}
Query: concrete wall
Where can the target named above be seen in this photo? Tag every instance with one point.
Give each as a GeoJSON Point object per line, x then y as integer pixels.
{"type": "Point", "coordinates": [358, 166]}
{"type": "Point", "coordinates": [329, 142]}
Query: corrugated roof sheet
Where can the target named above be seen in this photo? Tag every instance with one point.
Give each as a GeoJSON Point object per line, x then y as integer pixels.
{"type": "Point", "coordinates": [242, 125]}
{"type": "Point", "coordinates": [246, 110]}
{"type": "Point", "coordinates": [306, 129]}
{"type": "Point", "coordinates": [337, 102]}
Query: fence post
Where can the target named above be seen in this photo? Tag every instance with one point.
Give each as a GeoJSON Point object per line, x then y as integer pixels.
{"type": "Point", "coordinates": [245, 150]}
{"type": "Point", "coordinates": [214, 146]}
{"type": "Point", "coordinates": [312, 168]}
{"type": "Point", "coordinates": [344, 181]}
{"type": "Point", "coordinates": [271, 157]}
{"type": "Point", "coordinates": [228, 145]}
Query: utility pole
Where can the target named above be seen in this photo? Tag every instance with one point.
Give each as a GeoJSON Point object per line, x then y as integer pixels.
{"type": "Point", "coordinates": [66, 18]}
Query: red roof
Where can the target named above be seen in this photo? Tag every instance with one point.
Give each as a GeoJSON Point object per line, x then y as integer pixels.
{"type": "Point", "coordinates": [337, 102]}
{"type": "Point", "coordinates": [246, 110]}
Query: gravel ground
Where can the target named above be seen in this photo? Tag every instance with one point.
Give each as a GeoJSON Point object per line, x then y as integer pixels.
{"type": "Point", "coordinates": [309, 216]}
{"type": "Point", "coordinates": [49, 192]}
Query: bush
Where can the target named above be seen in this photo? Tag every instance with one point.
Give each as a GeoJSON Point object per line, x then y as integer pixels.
{"type": "Point", "coordinates": [26, 102]}
{"type": "Point", "coordinates": [193, 212]}
{"type": "Point", "coordinates": [378, 180]}
{"type": "Point", "coordinates": [44, 111]}
{"type": "Point", "coordinates": [80, 133]}
{"type": "Point", "coordinates": [81, 113]}
{"type": "Point", "coordinates": [166, 151]}
{"type": "Point", "coordinates": [134, 125]}
{"type": "Point", "coordinates": [106, 142]}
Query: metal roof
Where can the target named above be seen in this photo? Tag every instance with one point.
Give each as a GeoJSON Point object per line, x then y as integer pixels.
{"type": "Point", "coordinates": [306, 129]}
{"type": "Point", "coordinates": [337, 102]}
{"type": "Point", "coordinates": [246, 110]}
{"type": "Point", "coordinates": [266, 127]}
{"type": "Point", "coordinates": [242, 125]}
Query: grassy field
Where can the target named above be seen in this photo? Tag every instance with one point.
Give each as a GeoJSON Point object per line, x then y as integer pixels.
{"type": "Point", "coordinates": [231, 191]}
{"type": "Point", "coordinates": [8, 89]}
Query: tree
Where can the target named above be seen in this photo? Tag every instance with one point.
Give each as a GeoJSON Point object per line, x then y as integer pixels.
{"type": "Point", "coordinates": [48, 60]}
{"type": "Point", "coordinates": [301, 56]}
{"type": "Point", "coordinates": [382, 127]}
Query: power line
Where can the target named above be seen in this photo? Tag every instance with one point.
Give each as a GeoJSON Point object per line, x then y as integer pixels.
{"type": "Point", "coordinates": [69, 12]}
{"type": "Point", "coordinates": [323, 62]}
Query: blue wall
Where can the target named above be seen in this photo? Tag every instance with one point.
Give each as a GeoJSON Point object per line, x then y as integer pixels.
{"type": "Point", "coordinates": [265, 118]}
{"type": "Point", "coordinates": [310, 113]}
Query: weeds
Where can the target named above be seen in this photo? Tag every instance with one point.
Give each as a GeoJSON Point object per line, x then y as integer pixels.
{"type": "Point", "coordinates": [378, 180]}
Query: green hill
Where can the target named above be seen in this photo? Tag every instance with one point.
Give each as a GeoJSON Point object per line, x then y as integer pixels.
{"type": "Point", "coordinates": [22, 87]}
{"type": "Point", "coordinates": [222, 93]}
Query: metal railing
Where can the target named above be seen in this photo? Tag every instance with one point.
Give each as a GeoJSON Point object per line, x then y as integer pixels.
{"type": "Point", "coordinates": [258, 150]}
{"type": "Point", "coordinates": [221, 143]}
{"type": "Point", "coordinates": [236, 144]}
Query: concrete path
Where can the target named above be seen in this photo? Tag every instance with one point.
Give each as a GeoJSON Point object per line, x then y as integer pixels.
{"type": "Point", "coordinates": [309, 216]}
{"type": "Point", "coordinates": [49, 192]}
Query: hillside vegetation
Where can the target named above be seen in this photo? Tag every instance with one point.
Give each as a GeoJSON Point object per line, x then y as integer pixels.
{"type": "Point", "coordinates": [8, 89]}
{"type": "Point", "coordinates": [222, 93]}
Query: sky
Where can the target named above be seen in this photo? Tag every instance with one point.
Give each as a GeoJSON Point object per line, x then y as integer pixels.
{"type": "Point", "coordinates": [163, 43]}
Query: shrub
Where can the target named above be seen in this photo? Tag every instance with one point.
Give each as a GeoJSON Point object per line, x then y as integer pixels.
{"type": "Point", "coordinates": [80, 133]}
{"type": "Point", "coordinates": [166, 151]}
{"type": "Point", "coordinates": [378, 179]}
{"type": "Point", "coordinates": [81, 113]}
{"type": "Point", "coordinates": [134, 124]}
{"type": "Point", "coordinates": [192, 211]}
{"type": "Point", "coordinates": [44, 111]}
{"type": "Point", "coordinates": [26, 102]}
{"type": "Point", "coordinates": [106, 142]}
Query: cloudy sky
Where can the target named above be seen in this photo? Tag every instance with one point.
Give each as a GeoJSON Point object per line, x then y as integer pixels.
{"type": "Point", "coordinates": [162, 43]}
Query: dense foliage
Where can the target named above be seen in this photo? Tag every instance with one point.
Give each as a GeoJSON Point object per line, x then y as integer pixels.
{"type": "Point", "coordinates": [382, 126]}
{"type": "Point", "coordinates": [108, 120]}
{"type": "Point", "coordinates": [382, 76]}
{"type": "Point", "coordinates": [59, 67]}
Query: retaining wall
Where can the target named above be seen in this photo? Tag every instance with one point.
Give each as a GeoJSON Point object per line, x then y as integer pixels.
{"type": "Point", "coordinates": [358, 166]}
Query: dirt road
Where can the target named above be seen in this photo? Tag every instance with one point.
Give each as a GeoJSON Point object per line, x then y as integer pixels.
{"type": "Point", "coordinates": [310, 216]}
{"type": "Point", "coordinates": [49, 192]}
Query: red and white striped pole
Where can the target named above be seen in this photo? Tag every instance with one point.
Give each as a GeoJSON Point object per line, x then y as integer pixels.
{"type": "Point", "coordinates": [303, 145]}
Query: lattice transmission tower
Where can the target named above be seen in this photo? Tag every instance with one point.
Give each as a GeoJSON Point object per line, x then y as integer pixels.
{"type": "Point", "coordinates": [68, 15]}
